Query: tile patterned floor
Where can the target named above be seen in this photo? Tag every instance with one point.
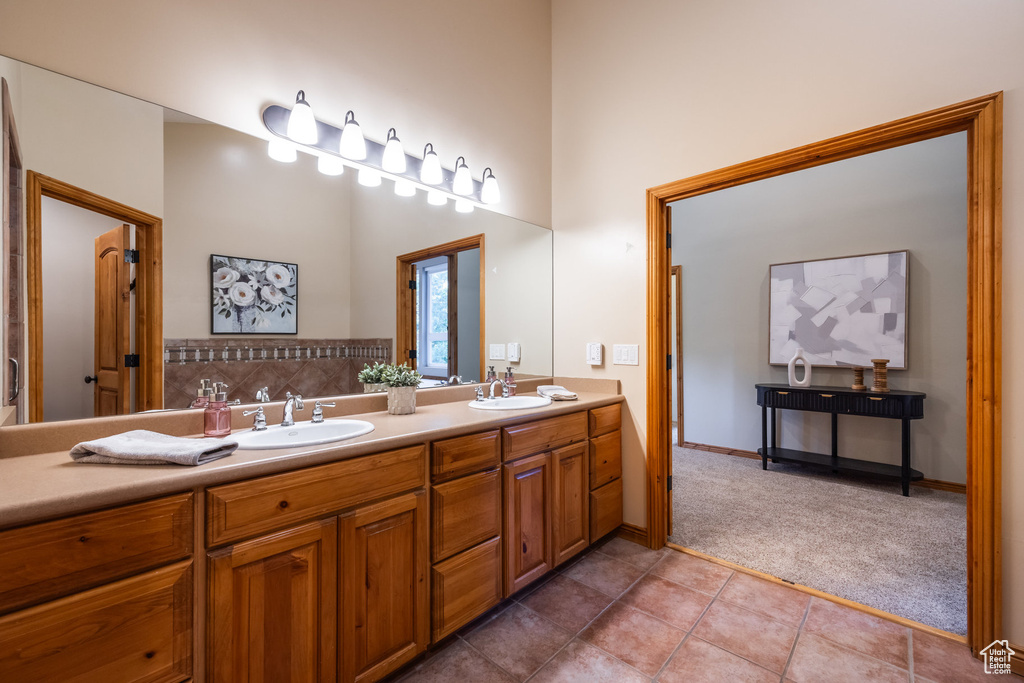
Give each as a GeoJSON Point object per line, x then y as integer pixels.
{"type": "Point", "coordinates": [624, 613]}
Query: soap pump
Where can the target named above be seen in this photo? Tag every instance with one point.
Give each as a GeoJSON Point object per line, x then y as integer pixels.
{"type": "Point", "coordinates": [202, 398]}
{"type": "Point", "coordinates": [510, 381]}
{"type": "Point", "coordinates": [217, 416]}
{"type": "Point", "coordinates": [491, 374]}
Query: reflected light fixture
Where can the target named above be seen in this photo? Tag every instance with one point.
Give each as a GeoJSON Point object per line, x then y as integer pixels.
{"type": "Point", "coordinates": [463, 183]}
{"type": "Point", "coordinates": [463, 206]}
{"type": "Point", "coordinates": [352, 146]}
{"type": "Point", "coordinates": [393, 160]}
{"type": "Point", "coordinates": [404, 188]}
{"type": "Point", "coordinates": [280, 149]}
{"type": "Point", "coordinates": [430, 172]}
{"type": "Point", "coordinates": [436, 198]}
{"type": "Point", "coordinates": [330, 165]}
{"type": "Point", "coordinates": [369, 178]}
{"type": "Point", "coordinates": [301, 124]}
{"type": "Point", "coordinates": [490, 194]}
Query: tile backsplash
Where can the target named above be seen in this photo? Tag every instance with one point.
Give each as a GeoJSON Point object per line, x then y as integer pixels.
{"type": "Point", "coordinates": [310, 367]}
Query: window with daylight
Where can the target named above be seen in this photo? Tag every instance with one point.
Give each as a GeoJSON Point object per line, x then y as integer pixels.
{"type": "Point", "coordinates": [432, 316]}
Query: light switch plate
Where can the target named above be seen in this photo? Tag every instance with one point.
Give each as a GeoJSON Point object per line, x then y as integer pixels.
{"type": "Point", "coordinates": [626, 354]}
{"type": "Point", "coordinates": [513, 352]}
{"type": "Point", "coordinates": [497, 352]}
{"type": "Point", "coordinates": [595, 354]}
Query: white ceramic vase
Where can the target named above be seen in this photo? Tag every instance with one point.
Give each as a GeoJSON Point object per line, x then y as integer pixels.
{"type": "Point", "coordinates": [800, 357]}
{"type": "Point", "coordinates": [401, 400]}
{"type": "Point", "coordinates": [374, 387]}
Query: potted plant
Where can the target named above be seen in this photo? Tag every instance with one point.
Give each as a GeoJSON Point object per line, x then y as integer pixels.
{"type": "Point", "coordinates": [372, 378]}
{"type": "Point", "coordinates": [402, 382]}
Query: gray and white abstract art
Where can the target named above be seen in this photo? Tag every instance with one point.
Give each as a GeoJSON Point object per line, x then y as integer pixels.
{"type": "Point", "coordinates": [841, 311]}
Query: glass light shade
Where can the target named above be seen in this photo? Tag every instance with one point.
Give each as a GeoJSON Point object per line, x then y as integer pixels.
{"type": "Point", "coordinates": [430, 172]}
{"type": "Point", "coordinates": [369, 178]}
{"type": "Point", "coordinates": [436, 198]}
{"type": "Point", "coordinates": [394, 155]}
{"type": "Point", "coordinates": [490, 194]}
{"type": "Point", "coordinates": [463, 183]}
{"type": "Point", "coordinates": [353, 145]}
{"type": "Point", "coordinates": [301, 124]}
{"type": "Point", "coordinates": [280, 149]}
{"type": "Point", "coordinates": [403, 188]}
{"type": "Point", "coordinates": [329, 165]}
{"type": "Point", "coordinates": [463, 206]}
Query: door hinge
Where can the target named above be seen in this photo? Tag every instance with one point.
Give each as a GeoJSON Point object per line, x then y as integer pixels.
{"type": "Point", "coordinates": [412, 284]}
{"type": "Point", "coordinates": [668, 240]}
{"type": "Point", "coordinates": [131, 360]}
{"type": "Point", "coordinates": [412, 354]}
{"type": "Point", "coordinates": [131, 255]}
{"type": "Point", "coordinates": [670, 482]}
{"type": "Point", "coordinates": [670, 361]}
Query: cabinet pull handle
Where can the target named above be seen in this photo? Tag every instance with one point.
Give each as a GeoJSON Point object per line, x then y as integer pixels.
{"type": "Point", "coordinates": [876, 398]}
{"type": "Point", "coordinates": [827, 395]}
{"type": "Point", "coordinates": [783, 393]}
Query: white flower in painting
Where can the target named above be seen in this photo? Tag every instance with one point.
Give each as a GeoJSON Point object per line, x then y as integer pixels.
{"type": "Point", "coordinates": [272, 295]}
{"type": "Point", "coordinates": [225, 277]}
{"type": "Point", "coordinates": [279, 275]}
{"type": "Point", "coordinates": [242, 294]}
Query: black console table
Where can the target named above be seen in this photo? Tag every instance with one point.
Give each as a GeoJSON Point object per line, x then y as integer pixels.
{"type": "Point", "coordinates": [894, 405]}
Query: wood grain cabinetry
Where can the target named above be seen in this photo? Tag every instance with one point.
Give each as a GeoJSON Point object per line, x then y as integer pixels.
{"type": "Point", "coordinates": [464, 587]}
{"type": "Point", "coordinates": [465, 512]}
{"type": "Point", "coordinates": [273, 607]}
{"type": "Point", "coordinates": [570, 502]}
{"type": "Point", "coordinates": [385, 600]}
{"type": "Point", "coordinates": [605, 470]}
{"type": "Point", "coordinates": [528, 521]}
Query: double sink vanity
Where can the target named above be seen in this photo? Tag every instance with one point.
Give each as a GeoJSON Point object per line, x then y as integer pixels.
{"type": "Point", "coordinates": [338, 561]}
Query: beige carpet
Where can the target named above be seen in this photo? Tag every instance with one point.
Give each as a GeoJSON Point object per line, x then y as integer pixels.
{"type": "Point", "coordinates": [854, 538]}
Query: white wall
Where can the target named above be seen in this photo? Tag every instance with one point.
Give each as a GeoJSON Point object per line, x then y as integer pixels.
{"type": "Point", "coordinates": [912, 197]}
{"type": "Point", "coordinates": [473, 78]}
{"type": "Point", "coordinates": [69, 278]}
{"type": "Point", "coordinates": [700, 86]}
{"type": "Point", "coordinates": [224, 195]}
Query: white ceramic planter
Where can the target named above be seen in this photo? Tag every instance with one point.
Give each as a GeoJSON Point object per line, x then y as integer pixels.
{"type": "Point", "coordinates": [401, 400]}
{"type": "Point", "coordinates": [374, 388]}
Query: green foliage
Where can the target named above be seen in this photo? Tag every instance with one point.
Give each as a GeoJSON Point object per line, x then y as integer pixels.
{"type": "Point", "coordinates": [400, 376]}
{"type": "Point", "coordinates": [374, 375]}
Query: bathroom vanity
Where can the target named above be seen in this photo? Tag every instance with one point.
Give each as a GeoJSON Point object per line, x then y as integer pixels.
{"type": "Point", "coordinates": [337, 562]}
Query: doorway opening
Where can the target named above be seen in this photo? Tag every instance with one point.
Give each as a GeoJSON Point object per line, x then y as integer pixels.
{"type": "Point", "coordinates": [441, 310]}
{"type": "Point", "coordinates": [12, 305]}
{"type": "Point", "coordinates": [982, 120]}
{"type": "Point", "coordinates": [126, 275]}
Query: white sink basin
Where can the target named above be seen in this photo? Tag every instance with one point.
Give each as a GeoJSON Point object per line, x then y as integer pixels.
{"type": "Point", "coordinates": [510, 403]}
{"type": "Point", "coordinates": [302, 434]}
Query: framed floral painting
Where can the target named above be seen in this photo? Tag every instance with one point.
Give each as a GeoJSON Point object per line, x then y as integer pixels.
{"type": "Point", "coordinates": [249, 296]}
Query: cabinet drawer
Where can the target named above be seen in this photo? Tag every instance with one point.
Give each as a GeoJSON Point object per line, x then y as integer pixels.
{"type": "Point", "coordinates": [877, 406]}
{"type": "Point", "coordinates": [236, 511]}
{"type": "Point", "coordinates": [534, 437]}
{"type": "Point", "coordinates": [138, 629]}
{"type": "Point", "coordinates": [465, 512]}
{"type": "Point", "coordinates": [605, 510]}
{"type": "Point", "coordinates": [45, 561]}
{"type": "Point", "coordinates": [606, 419]}
{"type": "Point", "coordinates": [605, 459]}
{"type": "Point", "coordinates": [464, 587]}
{"type": "Point", "coordinates": [465, 455]}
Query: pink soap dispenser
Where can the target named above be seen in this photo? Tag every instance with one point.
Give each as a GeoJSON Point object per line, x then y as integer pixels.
{"type": "Point", "coordinates": [217, 416]}
{"type": "Point", "coordinates": [510, 381]}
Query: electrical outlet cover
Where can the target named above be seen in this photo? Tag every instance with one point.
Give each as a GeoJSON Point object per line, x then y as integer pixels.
{"type": "Point", "coordinates": [594, 354]}
{"type": "Point", "coordinates": [626, 354]}
{"type": "Point", "coordinates": [497, 352]}
{"type": "Point", "coordinates": [513, 352]}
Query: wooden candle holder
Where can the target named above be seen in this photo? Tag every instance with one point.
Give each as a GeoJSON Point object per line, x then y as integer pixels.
{"type": "Point", "coordinates": [858, 379]}
{"type": "Point", "coordinates": [881, 375]}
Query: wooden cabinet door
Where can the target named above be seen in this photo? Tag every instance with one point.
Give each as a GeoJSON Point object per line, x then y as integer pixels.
{"type": "Point", "coordinates": [527, 521]}
{"type": "Point", "coordinates": [570, 504]}
{"type": "Point", "coordinates": [273, 607]}
{"type": "Point", "coordinates": [465, 511]}
{"type": "Point", "coordinates": [385, 599]}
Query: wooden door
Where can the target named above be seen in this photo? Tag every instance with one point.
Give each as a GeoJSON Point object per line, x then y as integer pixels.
{"type": "Point", "coordinates": [273, 607]}
{"type": "Point", "coordinates": [527, 521]}
{"type": "Point", "coordinates": [113, 314]}
{"type": "Point", "coordinates": [385, 600]}
{"type": "Point", "coordinates": [570, 506]}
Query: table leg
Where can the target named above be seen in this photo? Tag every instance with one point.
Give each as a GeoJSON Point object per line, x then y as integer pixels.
{"type": "Point", "coordinates": [835, 439]}
{"type": "Point", "coordinates": [774, 429]}
{"type": "Point", "coordinates": [764, 437]}
{"type": "Point", "coordinates": [905, 475]}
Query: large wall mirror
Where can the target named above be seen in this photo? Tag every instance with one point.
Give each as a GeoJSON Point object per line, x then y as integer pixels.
{"type": "Point", "coordinates": [214, 191]}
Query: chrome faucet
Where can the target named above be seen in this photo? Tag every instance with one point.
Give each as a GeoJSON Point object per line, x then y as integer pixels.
{"type": "Point", "coordinates": [291, 404]}
{"type": "Point", "coordinates": [259, 423]}
{"type": "Point", "coordinates": [263, 395]}
{"type": "Point", "coordinates": [504, 388]}
{"type": "Point", "coordinates": [453, 380]}
{"type": "Point", "coordinates": [318, 411]}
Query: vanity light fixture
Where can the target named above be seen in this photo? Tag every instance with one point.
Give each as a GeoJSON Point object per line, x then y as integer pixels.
{"type": "Point", "coordinates": [490, 194]}
{"type": "Point", "coordinates": [463, 183]}
{"type": "Point", "coordinates": [393, 160]}
{"type": "Point", "coordinates": [430, 171]}
{"type": "Point", "coordinates": [280, 149]}
{"type": "Point", "coordinates": [330, 165]}
{"type": "Point", "coordinates": [404, 188]}
{"type": "Point", "coordinates": [463, 206]}
{"type": "Point", "coordinates": [436, 198]}
{"type": "Point", "coordinates": [352, 145]}
{"type": "Point", "coordinates": [301, 124]}
{"type": "Point", "coordinates": [369, 178]}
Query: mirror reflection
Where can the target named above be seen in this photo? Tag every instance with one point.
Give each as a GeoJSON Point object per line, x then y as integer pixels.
{"type": "Point", "coordinates": [482, 280]}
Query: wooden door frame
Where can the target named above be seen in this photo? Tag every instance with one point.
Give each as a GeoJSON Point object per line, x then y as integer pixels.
{"type": "Point", "coordinates": [981, 119]}
{"type": "Point", "coordinates": [149, 308]}
{"type": "Point", "coordinates": [405, 335]}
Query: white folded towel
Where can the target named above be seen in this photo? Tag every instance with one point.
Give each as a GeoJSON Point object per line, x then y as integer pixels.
{"type": "Point", "coordinates": [556, 392]}
{"type": "Point", "coordinates": [142, 447]}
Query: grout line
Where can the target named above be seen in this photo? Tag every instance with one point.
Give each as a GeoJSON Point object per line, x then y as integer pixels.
{"type": "Point", "coordinates": [910, 653]}
{"type": "Point", "coordinates": [799, 632]}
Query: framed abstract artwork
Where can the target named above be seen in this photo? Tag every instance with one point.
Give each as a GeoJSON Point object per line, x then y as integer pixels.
{"type": "Point", "coordinates": [250, 296]}
{"type": "Point", "coordinates": [840, 311]}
